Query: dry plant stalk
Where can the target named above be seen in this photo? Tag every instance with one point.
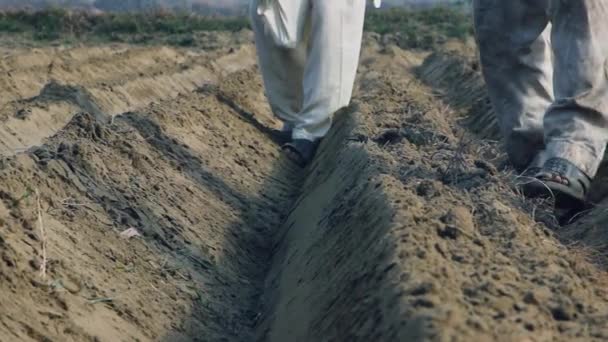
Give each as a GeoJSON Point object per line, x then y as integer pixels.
{"type": "Point", "coordinates": [42, 236]}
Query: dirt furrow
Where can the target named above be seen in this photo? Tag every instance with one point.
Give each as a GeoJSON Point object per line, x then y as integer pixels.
{"type": "Point", "coordinates": [456, 76]}
{"type": "Point", "coordinates": [205, 200]}
{"type": "Point", "coordinates": [28, 122]}
{"type": "Point", "coordinates": [180, 220]}
{"type": "Point", "coordinates": [404, 232]}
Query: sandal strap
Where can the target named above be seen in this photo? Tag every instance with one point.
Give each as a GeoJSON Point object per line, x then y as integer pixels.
{"type": "Point", "coordinates": [565, 169]}
{"type": "Point", "coordinates": [531, 172]}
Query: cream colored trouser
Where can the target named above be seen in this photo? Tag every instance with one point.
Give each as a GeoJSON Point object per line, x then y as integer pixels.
{"type": "Point", "coordinates": [307, 84]}
{"type": "Point", "coordinates": [545, 65]}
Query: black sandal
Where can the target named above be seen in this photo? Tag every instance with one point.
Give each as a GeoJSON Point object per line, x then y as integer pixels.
{"type": "Point", "coordinates": [562, 180]}
{"type": "Point", "coordinates": [301, 151]}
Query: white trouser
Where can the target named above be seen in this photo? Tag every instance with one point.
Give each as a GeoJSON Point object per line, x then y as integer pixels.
{"type": "Point", "coordinates": [312, 77]}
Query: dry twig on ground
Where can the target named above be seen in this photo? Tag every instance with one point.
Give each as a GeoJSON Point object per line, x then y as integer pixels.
{"type": "Point", "coordinates": [42, 236]}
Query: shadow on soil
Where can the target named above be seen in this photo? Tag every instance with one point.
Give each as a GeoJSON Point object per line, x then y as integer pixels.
{"type": "Point", "coordinates": [234, 310]}
{"type": "Point", "coordinates": [227, 288]}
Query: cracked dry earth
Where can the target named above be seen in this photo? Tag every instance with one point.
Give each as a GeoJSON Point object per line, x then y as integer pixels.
{"type": "Point", "coordinates": [145, 181]}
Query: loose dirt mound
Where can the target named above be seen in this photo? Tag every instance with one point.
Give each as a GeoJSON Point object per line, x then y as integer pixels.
{"type": "Point", "coordinates": [402, 229]}
{"type": "Point", "coordinates": [189, 172]}
{"type": "Point", "coordinates": [48, 87]}
{"type": "Point", "coordinates": [418, 238]}
{"type": "Point", "coordinates": [456, 76]}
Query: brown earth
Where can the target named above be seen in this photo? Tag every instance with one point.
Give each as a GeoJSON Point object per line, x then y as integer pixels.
{"type": "Point", "coordinates": [403, 228]}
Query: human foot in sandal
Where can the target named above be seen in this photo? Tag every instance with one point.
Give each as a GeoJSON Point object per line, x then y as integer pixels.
{"type": "Point", "coordinates": [562, 180]}
{"type": "Point", "coordinates": [301, 151]}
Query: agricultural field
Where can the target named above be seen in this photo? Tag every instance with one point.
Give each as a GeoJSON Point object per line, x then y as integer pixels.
{"type": "Point", "coordinates": [144, 197]}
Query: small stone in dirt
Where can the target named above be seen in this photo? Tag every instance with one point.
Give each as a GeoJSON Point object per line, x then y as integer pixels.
{"type": "Point", "coordinates": [460, 217]}
{"type": "Point", "coordinates": [23, 113]}
{"type": "Point", "coordinates": [8, 260]}
{"type": "Point", "coordinates": [458, 258]}
{"type": "Point", "coordinates": [421, 254]}
{"type": "Point", "coordinates": [63, 146]}
{"type": "Point", "coordinates": [484, 165]}
{"type": "Point", "coordinates": [423, 302]}
{"type": "Point", "coordinates": [519, 307]}
{"type": "Point", "coordinates": [476, 324]}
{"type": "Point", "coordinates": [422, 289]}
{"type": "Point", "coordinates": [537, 296]}
{"type": "Point", "coordinates": [37, 284]}
{"type": "Point", "coordinates": [560, 313]}
{"type": "Point", "coordinates": [71, 286]}
{"type": "Point", "coordinates": [34, 264]}
{"type": "Point", "coordinates": [42, 154]}
{"type": "Point", "coordinates": [427, 189]}
{"type": "Point", "coordinates": [32, 236]}
{"type": "Point", "coordinates": [448, 232]}
{"type": "Point", "coordinates": [76, 149]}
{"type": "Point", "coordinates": [499, 316]}
{"type": "Point", "coordinates": [390, 136]}
{"type": "Point", "coordinates": [529, 298]}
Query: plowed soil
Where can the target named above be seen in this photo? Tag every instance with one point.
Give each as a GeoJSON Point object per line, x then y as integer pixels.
{"type": "Point", "coordinates": [143, 198]}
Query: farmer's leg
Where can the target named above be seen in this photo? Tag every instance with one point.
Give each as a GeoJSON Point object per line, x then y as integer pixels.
{"type": "Point", "coordinates": [576, 125]}
{"type": "Point", "coordinates": [335, 42]}
{"type": "Point", "coordinates": [514, 44]}
{"type": "Point", "coordinates": [282, 70]}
